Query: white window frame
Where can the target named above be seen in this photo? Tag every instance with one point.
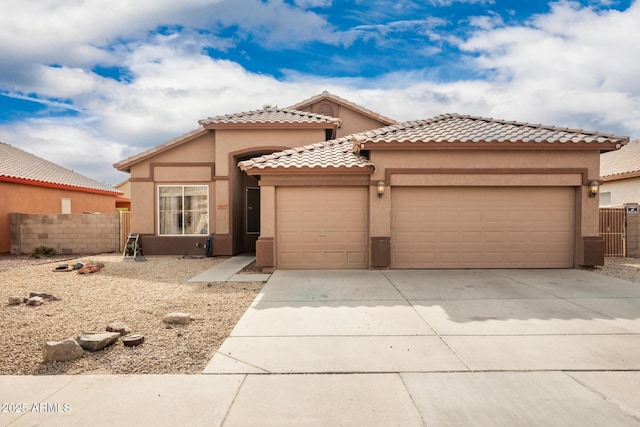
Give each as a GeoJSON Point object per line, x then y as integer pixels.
{"type": "Point", "coordinates": [183, 225]}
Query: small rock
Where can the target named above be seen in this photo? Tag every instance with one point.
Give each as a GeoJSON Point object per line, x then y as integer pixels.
{"type": "Point", "coordinates": [94, 341]}
{"type": "Point", "coordinates": [133, 340]}
{"type": "Point", "coordinates": [46, 297]}
{"type": "Point", "coordinates": [78, 266]}
{"type": "Point", "coordinates": [178, 318]}
{"type": "Point", "coordinates": [15, 300]}
{"type": "Point", "coordinates": [61, 350]}
{"type": "Point", "coordinates": [35, 301]}
{"type": "Point", "coordinates": [118, 327]}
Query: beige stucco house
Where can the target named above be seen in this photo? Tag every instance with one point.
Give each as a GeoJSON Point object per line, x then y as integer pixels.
{"type": "Point", "coordinates": [328, 184]}
{"type": "Point", "coordinates": [620, 175]}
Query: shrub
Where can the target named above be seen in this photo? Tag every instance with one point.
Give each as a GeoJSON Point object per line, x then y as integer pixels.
{"type": "Point", "coordinates": [42, 250]}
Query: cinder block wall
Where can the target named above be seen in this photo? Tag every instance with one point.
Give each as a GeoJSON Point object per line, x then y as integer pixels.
{"type": "Point", "coordinates": [66, 233]}
{"type": "Point", "coordinates": [632, 235]}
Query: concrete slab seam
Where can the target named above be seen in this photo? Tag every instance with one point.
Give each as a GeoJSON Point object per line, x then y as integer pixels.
{"type": "Point", "coordinates": [233, 401]}
{"type": "Point", "coordinates": [602, 395]}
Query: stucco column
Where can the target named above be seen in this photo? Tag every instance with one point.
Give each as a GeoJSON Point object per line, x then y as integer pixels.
{"type": "Point", "coordinates": [380, 226]}
{"type": "Point", "coordinates": [265, 246]}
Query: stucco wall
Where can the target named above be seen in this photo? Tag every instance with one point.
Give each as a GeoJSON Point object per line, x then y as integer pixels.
{"type": "Point", "coordinates": [44, 200]}
{"type": "Point", "coordinates": [66, 233]}
{"type": "Point", "coordinates": [621, 191]}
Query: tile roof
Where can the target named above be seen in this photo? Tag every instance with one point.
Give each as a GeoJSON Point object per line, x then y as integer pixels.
{"type": "Point", "coordinates": [621, 163]}
{"type": "Point", "coordinates": [20, 165]}
{"type": "Point", "coordinates": [454, 128]}
{"type": "Point", "coordinates": [345, 102]}
{"type": "Point", "coordinates": [336, 153]}
{"type": "Point", "coordinates": [270, 116]}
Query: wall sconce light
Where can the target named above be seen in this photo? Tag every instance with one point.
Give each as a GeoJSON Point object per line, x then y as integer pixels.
{"type": "Point", "coordinates": [594, 187]}
{"type": "Point", "coordinates": [381, 187]}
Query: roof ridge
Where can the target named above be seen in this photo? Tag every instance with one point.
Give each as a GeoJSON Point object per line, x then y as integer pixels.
{"type": "Point", "coordinates": [339, 99]}
{"type": "Point", "coordinates": [266, 111]}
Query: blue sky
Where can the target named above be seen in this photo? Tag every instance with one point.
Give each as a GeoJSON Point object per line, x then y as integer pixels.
{"type": "Point", "coordinates": [86, 84]}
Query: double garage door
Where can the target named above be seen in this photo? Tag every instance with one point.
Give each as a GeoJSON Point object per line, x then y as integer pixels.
{"type": "Point", "coordinates": [431, 227]}
{"type": "Point", "coordinates": [482, 227]}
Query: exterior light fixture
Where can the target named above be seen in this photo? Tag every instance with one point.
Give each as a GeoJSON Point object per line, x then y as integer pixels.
{"type": "Point", "coordinates": [381, 187]}
{"type": "Point", "coordinates": [594, 187]}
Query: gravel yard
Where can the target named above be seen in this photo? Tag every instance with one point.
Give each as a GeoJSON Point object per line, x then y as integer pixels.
{"type": "Point", "coordinates": [138, 294]}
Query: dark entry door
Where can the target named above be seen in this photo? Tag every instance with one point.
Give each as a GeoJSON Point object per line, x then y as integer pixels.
{"type": "Point", "coordinates": [252, 214]}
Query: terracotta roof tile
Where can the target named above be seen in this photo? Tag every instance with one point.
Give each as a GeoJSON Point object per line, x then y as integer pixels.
{"type": "Point", "coordinates": [18, 164]}
{"type": "Point", "coordinates": [270, 115]}
{"type": "Point", "coordinates": [340, 100]}
{"type": "Point", "coordinates": [454, 128]}
{"type": "Point", "coordinates": [621, 162]}
{"type": "Point", "coordinates": [337, 153]}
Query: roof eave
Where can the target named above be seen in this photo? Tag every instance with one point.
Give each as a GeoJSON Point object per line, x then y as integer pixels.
{"type": "Point", "coordinates": [308, 170]}
{"type": "Point", "coordinates": [125, 165]}
{"type": "Point", "coordinates": [24, 181]}
{"type": "Point", "coordinates": [271, 125]}
{"type": "Point", "coordinates": [484, 145]}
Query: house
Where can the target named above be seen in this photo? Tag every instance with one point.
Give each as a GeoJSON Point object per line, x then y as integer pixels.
{"type": "Point", "coordinates": [620, 175]}
{"type": "Point", "coordinates": [190, 187]}
{"type": "Point", "coordinates": [32, 185]}
{"type": "Point", "coordinates": [451, 191]}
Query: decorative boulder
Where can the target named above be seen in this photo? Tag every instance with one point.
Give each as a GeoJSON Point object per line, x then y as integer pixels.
{"type": "Point", "coordinates": [177, 318]}
{"type": "Point", "coordinates": [61, 350]}
{"type": "Point", "coordinates": [94, 341]}
{"type": "Point", "coordinates": [15, 300]}
{"type": "Point", "coordinates": [35, 301]}
{"type": "Point", "coordinates": [118, 327]}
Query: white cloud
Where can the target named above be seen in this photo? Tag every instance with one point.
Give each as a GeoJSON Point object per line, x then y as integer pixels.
{"type": "Point", "coordinates": [574, 66]}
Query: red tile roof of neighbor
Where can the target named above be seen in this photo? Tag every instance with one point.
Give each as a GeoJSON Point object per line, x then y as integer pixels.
{"type": "Point", "coordinates": [623, 163]}
{"type": "Point", "coordinates": [270, 116]}
{"type": "Point", "coordinates": [448, 130]}
{"type": "Point", "coordinates": [21, 167]}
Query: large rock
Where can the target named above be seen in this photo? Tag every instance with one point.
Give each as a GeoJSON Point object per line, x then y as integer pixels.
{"type": "Point", "coordinates": [15, 300]}
{"type": "Point", "coordinates": [177, 318]}
{"type": "Point", "coordinates": [35, 301]}
{"type": "Point", "coordinates": [61, 350]}
{"type": "Point", "coordinates": [94, 341]}
{"type": "Point", "coordinates": [46, 297]}
{"type": "Point", "coordinates": [118, 327]}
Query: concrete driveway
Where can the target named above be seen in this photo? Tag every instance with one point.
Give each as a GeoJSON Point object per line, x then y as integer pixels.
{"type": "Point", "coordinates": [438, 347]}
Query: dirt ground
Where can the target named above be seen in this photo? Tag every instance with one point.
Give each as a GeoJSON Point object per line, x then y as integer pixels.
{"type": "Point", "coordinates": [138, 294]}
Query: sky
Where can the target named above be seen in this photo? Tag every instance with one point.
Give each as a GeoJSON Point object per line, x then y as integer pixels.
{"type": "Point", "coordinates": [87, 83]}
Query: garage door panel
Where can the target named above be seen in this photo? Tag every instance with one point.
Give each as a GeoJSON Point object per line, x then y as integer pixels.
{"type": "Point", "coordinates": [328, 230]}
{"type": "Point", "coordinates": [492, 227]}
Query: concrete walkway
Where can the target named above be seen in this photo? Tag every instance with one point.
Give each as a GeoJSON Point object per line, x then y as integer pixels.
{"type": "Point", "coordinates": [228, 271]}
{"type": "Point", "coordinates": [398, 348]}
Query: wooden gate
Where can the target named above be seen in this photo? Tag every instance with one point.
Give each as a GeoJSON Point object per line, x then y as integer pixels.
{"type": "Point", "coordinates": [612, 230]}
{"type": "Point", "coordinates": [125, 227]}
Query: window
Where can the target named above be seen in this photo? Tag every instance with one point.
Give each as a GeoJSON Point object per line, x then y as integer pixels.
{"type": "Point", "coordinates": [183, 210]}
{"type": "Point", "coordinates": [65, 206]}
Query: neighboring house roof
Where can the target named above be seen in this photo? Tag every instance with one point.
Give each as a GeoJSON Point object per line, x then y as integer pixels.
{"type": "Point", "coordinates": [341, 101]}
{"type": "Point", "coordinates": [620, 164]}
{"type": "Point", "coordinates": [18, 166]}
{"type": "Point", "coordinates": [269, 116]}
{"type": "Point", "coordinates": [450, 130]}
{"type": "Point", "coordinates": [337, 153]}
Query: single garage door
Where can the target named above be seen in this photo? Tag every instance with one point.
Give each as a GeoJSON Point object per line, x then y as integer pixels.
{"type": "Point", "coordinates": [482, 227]}
{"type": "Point", "coordinates": [321, 227]}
